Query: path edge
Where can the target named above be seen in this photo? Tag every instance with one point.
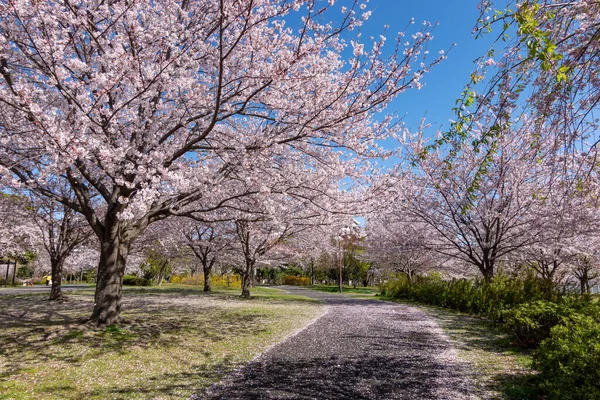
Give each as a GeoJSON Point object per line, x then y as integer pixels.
{"type": "Point", "coordinates": [237, 371]}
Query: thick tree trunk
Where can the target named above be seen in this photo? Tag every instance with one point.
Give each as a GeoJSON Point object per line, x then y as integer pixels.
{"type": "Point", "coordinates": [207, 270]}
{"type": "Point", "coordinates": [584, 284]}
{"type": "Point", "coordinates": [109, 286]}
{"type": "Point", "coordinates": [247, 277]}
{"type": "Point", "coordinates": [161, 273]}
{"type": "Point", "coordinates": [487, 269]}
{"type": "Point", "coordinates": [56, 292]}
{"type": "Point", "coordinates": [14, 274]}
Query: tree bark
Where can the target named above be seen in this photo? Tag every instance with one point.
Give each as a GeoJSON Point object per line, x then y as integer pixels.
{"type": "Point", "coordinates": [207, 270]}
{"type": "Point", "coordinates": [56, 291]}
{"type": "Point", "coordinates": [14, 274]}
{"type": "Point", "coordinates": [247, 277]}
{"type": "Point", "coordinates": [340, 278]}
{"type": "Point", "coordinates": [161, 272]}
{"type": "Point", "coordinates": [487, 269]}
{"type": "Point", "coordinates": [109, 286]}
{"type": "Point", "coordinates": [584, 284]}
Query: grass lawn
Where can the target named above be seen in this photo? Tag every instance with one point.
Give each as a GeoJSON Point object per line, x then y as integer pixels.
{"type": "Point", "coordinates": [345, 289]}
{"type": "Point", "coordinates": [174, 341]}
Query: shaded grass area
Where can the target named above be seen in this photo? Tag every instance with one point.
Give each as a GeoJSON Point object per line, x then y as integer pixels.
{"type": "Point", "coordinates": [174, 340]}
{"type": "Point", "coordinates": [345, 289]}
{"type": "Point", "coordinates": [500, 370]}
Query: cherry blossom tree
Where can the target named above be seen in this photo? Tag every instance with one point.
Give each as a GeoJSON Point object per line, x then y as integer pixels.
{"type": "Point", "coordinates": [398, 243]}
{"type": "Point", "coordinates": [82, 259]}
{"type": "Point", "coordinates": [560, 241]}
{"type": "Point", "coordinates": [481, 215]}
{"type": "Point", "coordinates": [543, 64]}
{"type": "Point", "coordinates": [61, 231]}
{"type": "Point", "coordinates": [554, 51]}
{"type": "Point", "coordinates": [585, 269]}
{"type": "Point", "coordinates": [208, 242]}
{"type": "Point", "coordinates": [158, 248]}
{"type": "Point", "coordinates": [17, 232]}
{"type": "Point", "coordinates": [256, 239]}
{"type": "Point", "coordinates": [310, 246]}
{"type": "Point", "coordinates": [147, 109]}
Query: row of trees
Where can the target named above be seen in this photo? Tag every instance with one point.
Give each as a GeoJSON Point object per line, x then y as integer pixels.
{"type": "Point", "coordinates": [514, 182]}
{"type": "Point", "coordinates": [200, 123]}
{"type": "Point", "coordinates": [130, 113]}
{"type": "Point", "coordinates": [186, 246]}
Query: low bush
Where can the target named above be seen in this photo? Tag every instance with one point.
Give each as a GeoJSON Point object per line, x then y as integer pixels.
{"type": "Point", "coordinates": [564, 328]}
{"type": "Point", "coordinates": [489, 299]}
{"type": "Point", "coordinates": [531, 322]}
{"type": "Point", "coordinates": [569, 360]}
{"type": "Point", "coordinates": [132, 280]}
{"type": "Point", "coordinates": [296, 280]}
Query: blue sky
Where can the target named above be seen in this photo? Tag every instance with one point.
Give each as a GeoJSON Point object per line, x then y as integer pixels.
{"type": "Point", "coordinates": [446, 81]}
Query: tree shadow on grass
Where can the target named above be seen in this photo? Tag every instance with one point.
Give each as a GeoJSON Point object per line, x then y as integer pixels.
{"type": "Point", "coordinates": [170, 385]}
{"type": "Point", "coordinates": [154, 290]}
{"type": "Point", "coordinates": [33, 331]}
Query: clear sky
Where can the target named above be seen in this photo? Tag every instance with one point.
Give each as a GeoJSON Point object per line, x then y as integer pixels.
{"type": "Point", "coordinates": [443, 85]}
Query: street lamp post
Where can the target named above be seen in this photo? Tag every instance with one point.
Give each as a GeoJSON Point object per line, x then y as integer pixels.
{"type": "Point", "coordinates": [340, 261]}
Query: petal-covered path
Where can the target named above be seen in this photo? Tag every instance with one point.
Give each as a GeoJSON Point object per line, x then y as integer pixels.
{"type": "Point", "coordinates": [359, 349]}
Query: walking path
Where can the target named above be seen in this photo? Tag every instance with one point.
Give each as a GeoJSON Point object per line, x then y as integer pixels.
{"type": "Point", "coordinates": [359, 349]}
{"type": "Point", "coordinates": [40, 289]}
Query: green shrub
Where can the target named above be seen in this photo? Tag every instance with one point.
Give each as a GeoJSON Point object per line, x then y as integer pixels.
{"type": "Point", "coordinates": [568, 327]}
{"type": "Point", "coordinates": [582, 305]}
{"type": "Point", "coordinates": [531, 322]}
{"type": "Point", "coordinates": [132, 280]}
{"type": "Point", "coordinates": [489, 299]}
{"type": "Point", "coordinates": [569, 360]}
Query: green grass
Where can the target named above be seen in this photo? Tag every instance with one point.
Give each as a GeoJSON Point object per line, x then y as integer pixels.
{"type": "Point", "coordinates": [345, 289]}
{"type": "Point", "coordinates": [500, 369]}
{"type": "Point", "coordinates": [174, 340]}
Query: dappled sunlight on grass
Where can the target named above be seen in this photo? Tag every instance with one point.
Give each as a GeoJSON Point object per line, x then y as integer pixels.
{"type": "Point", "coordinates": [173, 341]}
